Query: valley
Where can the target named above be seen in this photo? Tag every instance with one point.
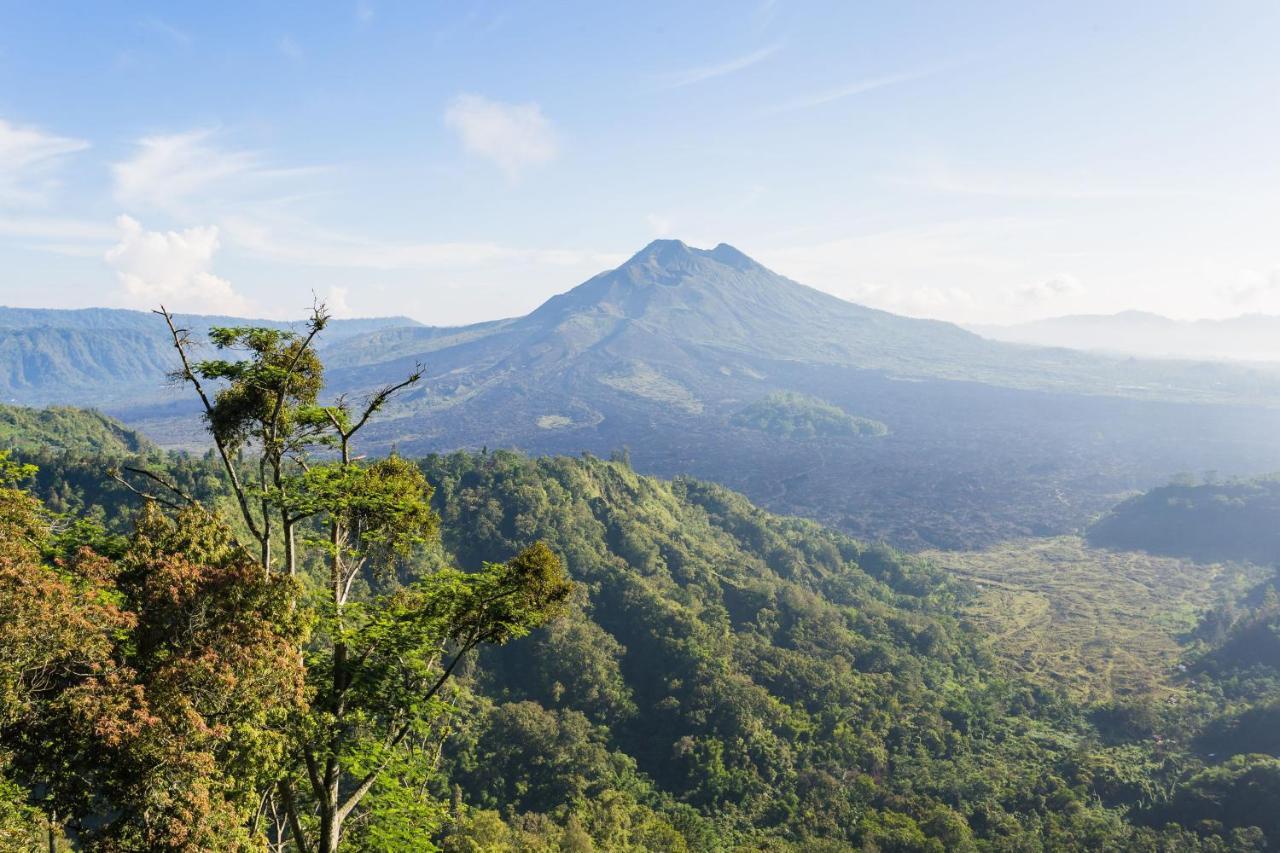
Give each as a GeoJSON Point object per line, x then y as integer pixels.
{"type": "Point", "coordinates": [1103, 625]}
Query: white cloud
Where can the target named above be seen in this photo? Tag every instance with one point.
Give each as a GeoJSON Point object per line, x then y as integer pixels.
{"type": "Point", "coordinates": [515, 136]}
{"type": "Point", "coordinates": [28, 158]}
{"type": "Point", "coordinates": [1252, 288]}
{"type": "Point", "coordinates": [928, 301]}
{"type": "Point", "coordinates": [955, 270]}
{"type": "Point", "coordinates": [961, 249]}
{"type": "Point", "coordinates": [173, 268]}
{"type": "Point", "coordinates": [364, 11]}
{"type": "Point", "coordinates": [1054, 287]}
{"type": "Point", "coordinates": [55, 228]}
{"type": "Point", "coordinates": [708, 72]}
{"type": "Point", "coordinates": [82, 238]}
{"type": "Point", "coordinates": [335, 300]}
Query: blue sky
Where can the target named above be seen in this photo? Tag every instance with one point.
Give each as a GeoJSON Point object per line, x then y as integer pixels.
{"type": "Point", "coordinates": [455, 162]}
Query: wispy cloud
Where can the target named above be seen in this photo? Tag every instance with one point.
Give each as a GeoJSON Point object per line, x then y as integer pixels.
{"type": "Point", "coordinates": [29, 158]}
{"type": "Point", "coordinates": [337, 302]}
{"type": "Point", "coordinates": [764, 13]}
{"type": "Point", "coordinates": [691, 76]}
{"type": "Point", "coordinates": [928, 270]}
{"type": "Point", "coordinates": [169, 170]}
{"type": "Point", "coordinates": [364, 11]}
{"type": "Point", "coordinates": [169, 31]}
{"type": "Point", "coordinates": [55, 228]}
{"type": "Point", "coordinates": [515, 136]}
{"type": "Point", "coordinates": [849, 90]}
{"type": "Point", "coordinates": [1252, 288]}
{"type": "Point", "coordinates": [943, 179]}
{"type": "Point", "coordinates": [659, 225]}
{"type": "Point", "coordinates": [299, 242]}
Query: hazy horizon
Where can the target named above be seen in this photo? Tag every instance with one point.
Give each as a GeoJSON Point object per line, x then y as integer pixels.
{"type": "Point", "coordinates": [300, 312]}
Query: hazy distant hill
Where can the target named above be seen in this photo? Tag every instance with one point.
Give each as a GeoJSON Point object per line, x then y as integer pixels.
{"type": "Point", "coordinates": [664, 354]}
{"type": "Point", "coordinates": [670, 309]}
{"type": "Point", "coordinates": [1250, 337]}
{"type": "Point", "coordinates": [106, 356]}
{"type": "Point", "coordinates": [679, 309]}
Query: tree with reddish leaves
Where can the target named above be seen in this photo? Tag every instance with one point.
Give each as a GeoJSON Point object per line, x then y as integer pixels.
{"type": "Point", "coordinates": [145, 695]}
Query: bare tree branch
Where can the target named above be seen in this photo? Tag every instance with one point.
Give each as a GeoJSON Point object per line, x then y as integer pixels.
{"type": "Point", "coordinates": [379, 399]}
{"type": "Point", "coordinates": [318, 320]}
{"type": "Point", "coordinates": [146, 496]}
{"type": "Point", "coordinates": [180, 340]}
{"type": "Point", "coordinates": [156, 478]}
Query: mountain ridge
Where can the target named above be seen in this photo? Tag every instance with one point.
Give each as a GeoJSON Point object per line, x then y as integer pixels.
{"type": "Point", "coordinates": [673, 353]}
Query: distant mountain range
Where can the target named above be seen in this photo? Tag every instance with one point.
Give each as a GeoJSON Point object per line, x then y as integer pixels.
{"type": "Point", "coordinates": [673, 355]}
{"type": "Point", "coordinates": [106, 356]}
{"type": "Point", "coordinates": [1249, 337]}
{"type": "Point", "coordinates": [684, 307]}
{"type": "Point", "coordinates": [691, 316]}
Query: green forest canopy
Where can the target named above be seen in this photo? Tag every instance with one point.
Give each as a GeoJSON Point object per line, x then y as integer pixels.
{"type": "Point", "coordinates": [727, 678]}
{"type": "Point", "coordinates": [789, 414]}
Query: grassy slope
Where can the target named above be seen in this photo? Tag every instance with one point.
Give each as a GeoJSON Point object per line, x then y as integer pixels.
{"type": "Point", "coordinates": [1104, 624]}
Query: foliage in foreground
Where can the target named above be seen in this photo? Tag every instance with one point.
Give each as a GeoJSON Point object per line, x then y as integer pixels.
{"type": "Point", "coordinates": [206, 685]}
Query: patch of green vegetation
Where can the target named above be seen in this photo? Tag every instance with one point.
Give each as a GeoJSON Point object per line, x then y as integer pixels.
{"type": "Point", "coordinates": [554, 421]}
{"type": "Point", "coordinates": [787, 414]}
{"type": "Point", "coordinates": [643, 380]}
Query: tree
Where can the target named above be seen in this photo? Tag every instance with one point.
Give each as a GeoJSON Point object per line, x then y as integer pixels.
{"type": "Point", "coordinates": [144, 697]}
{"type": "Point", "coordinates": [385, 638]}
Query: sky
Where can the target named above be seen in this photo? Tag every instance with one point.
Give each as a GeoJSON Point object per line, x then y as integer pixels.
{"type": "Point", "coordinates": [455, 162]}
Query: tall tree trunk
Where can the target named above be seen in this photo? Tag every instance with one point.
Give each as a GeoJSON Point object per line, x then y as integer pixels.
{"type": "Point", "coordinates": [290, 550]}
{"type": "Point", "coordinates": [330, 816]}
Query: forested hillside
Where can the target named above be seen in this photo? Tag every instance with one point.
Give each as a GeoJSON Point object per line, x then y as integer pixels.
{"type": "Point", "coordinates": [725, 678]}
{"type": "Point", "coordinates": [1212, 520]}
{"type": "Point", "coordinates": [109, 357]}
{"type": "Point", "coordinates": [790, 415]}
{"type": "Point", "coordinates": [1234, 520]}
{"type": "Point", "coordinates": [67, 429]}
